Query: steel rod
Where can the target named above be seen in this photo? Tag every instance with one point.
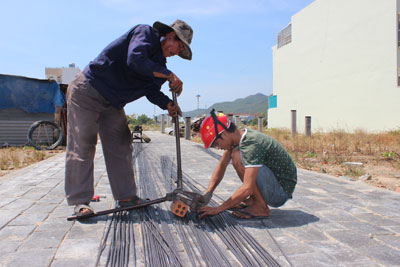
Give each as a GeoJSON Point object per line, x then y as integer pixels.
{"type": "Point", "coordinates": [178, 146]}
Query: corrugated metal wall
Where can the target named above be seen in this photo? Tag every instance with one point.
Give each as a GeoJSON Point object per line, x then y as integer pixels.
{"type": "Point", "coordinates": [15, 123]}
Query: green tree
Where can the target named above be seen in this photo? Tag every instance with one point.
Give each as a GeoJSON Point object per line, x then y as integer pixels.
{"type": "Point", "coordinates": [131, 119]}
{"type": "Point", "coordinates": [254, 122]}
{"type": "Point", "coordinates": [143, 119]}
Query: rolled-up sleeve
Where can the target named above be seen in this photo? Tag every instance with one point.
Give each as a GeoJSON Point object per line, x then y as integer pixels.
{"type": "Point", "coordinates": [139, 50]}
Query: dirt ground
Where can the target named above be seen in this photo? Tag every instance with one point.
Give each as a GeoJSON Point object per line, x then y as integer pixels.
{"type": "Point", "coordinates": [381, 173]}
{"type": "Point", "coordinates": [12, 159]}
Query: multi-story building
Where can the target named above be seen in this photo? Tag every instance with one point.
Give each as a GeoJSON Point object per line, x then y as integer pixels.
{"type": "Point", "coordinates": [338, 61]}
{"type": "Point", "coordinates": [62, 75]}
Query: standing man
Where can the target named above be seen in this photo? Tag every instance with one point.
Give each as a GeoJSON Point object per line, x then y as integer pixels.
{"type": "Point", "coordinates": [132, 66]}
{"type": "Point", "coordinates": [265, 168]}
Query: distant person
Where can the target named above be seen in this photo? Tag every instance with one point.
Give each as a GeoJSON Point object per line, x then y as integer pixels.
{"type": "Point", "coordinates": [267, 171]}
{"type": "Point", "coordinates": [132, 66]}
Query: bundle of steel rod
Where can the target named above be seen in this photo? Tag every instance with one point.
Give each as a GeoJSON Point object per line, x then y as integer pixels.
{"type": "Point", "coordinates": [167, 240]}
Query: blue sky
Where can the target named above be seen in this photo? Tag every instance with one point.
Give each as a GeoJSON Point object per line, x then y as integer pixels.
{"type": "Point", "coordinates": [232, 41]}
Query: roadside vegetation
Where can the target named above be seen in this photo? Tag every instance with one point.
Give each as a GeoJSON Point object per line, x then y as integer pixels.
{"type": "Point", "coordinates": [372, 157]}
{"type": "Point", "coordinates": [349, 152]}
{"type": "Point", "coordinates": [13, 158]}
{"type": "Point", "coordinates": [147, 123]}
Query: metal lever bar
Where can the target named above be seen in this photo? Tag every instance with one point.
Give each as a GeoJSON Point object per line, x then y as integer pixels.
{"type": "Point", "coordinates": [178, 147]}
{"type": "Point", "coordinates": [168, 197]}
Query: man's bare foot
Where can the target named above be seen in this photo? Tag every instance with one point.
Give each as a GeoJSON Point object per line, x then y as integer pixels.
{"type": "Point", "coordinates": [239, 206]}
{"type": "Point", "coordinates": [249, 202]}
{"type": "Point", "coordinates": [245, 203]}
{"type": "Point", "coordinates": [252, 212]}
{"type": "Point", "coordinates": [83, 209]}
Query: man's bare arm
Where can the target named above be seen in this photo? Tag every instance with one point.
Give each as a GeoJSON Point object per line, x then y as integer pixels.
{"type": "Point", "coordinates": [219, 171]}
{"type": "Point", "coordinates": [174, 82]}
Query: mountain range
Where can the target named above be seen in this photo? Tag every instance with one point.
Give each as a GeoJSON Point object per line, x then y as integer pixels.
{"type": "Point", "coordinates": [252, 104]}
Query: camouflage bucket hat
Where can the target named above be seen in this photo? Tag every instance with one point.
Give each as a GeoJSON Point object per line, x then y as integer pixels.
{"type": "Point", "coordinates": [184, 33]}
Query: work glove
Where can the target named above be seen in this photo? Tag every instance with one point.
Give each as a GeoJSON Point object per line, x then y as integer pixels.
{"type": "Point", "coordinates": [205, 198]}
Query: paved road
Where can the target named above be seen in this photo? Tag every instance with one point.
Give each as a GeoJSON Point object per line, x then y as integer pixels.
{"type": "Point", "coordinates": [329, 222]}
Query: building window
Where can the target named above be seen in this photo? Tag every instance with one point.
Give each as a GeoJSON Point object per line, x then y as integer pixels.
{"type": "Point", "coordinates": [285, 36]}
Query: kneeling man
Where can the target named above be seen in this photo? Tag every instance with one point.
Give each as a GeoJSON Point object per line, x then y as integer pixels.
{"type": "Point", "coordinates": [266, 169]}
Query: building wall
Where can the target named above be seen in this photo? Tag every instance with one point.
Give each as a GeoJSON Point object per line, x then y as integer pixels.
{"type": "Point", "coordinates": [340, 67]}
{"type": "Point", "coordinates": [62, 75]}
{"type": "Point", "coordinates": [69, 74]}
{"type": "Point", "coordinates": [15, 123]}
{"type": "Point", "coordinates": [54, 74]}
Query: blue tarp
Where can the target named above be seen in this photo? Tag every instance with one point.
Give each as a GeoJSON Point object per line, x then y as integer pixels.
{"type": "Point", "coordinates": [30, 95]}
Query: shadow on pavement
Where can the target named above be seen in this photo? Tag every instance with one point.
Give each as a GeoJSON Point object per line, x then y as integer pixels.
{"type": "Point", "coordinates": [281, 219]}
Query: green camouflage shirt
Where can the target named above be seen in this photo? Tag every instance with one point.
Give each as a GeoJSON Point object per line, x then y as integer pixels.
{"type": "Point", "coordinates": [257, 148]}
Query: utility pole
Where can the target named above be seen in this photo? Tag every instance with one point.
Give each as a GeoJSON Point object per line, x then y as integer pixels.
{"type": "Point", "coordinates": [198, 102]}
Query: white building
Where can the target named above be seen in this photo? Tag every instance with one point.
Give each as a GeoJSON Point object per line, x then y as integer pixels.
{"type": "Point", "coordinates": [338, 62]}
{"type": "Point", "coordinates": [62, 75]}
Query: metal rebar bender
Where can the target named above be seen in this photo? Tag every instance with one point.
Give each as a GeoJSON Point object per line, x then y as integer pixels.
{"type": "Point", "coordinates": [181, 200]}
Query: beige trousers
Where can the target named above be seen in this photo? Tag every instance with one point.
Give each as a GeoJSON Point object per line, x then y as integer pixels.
{"type": "Point", "coordinates": [89, 114]}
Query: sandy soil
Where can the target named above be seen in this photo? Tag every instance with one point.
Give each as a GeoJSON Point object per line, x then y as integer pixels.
{"type": "Point", "coordinates": [381, 173]}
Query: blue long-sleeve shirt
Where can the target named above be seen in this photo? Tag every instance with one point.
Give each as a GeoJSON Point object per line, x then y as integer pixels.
{"type": "Point", "coordinates": [123, 72]}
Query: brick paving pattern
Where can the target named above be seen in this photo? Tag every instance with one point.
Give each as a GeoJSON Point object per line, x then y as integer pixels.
{"type": "Point", "coordinates": [329, 222]}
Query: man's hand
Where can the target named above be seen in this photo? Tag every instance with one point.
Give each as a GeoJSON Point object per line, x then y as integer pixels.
{"type": "Point", "coordinates": [173, 109]}
{"type": "Point", "coordinates": [175, 84]}
{"type": "Point", "coordinates": [208, 211]}
{"type": "Point", "coordinates": [205, 198]}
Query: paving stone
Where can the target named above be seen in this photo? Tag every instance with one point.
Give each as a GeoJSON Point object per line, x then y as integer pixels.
{"type": "Point", "coordinates": [55, 223]}
{"type": "Point", "coordinates": [340, 253]}
{"type": "Point", "coordinates": [46, 240]}
{"type": "Point", "coordinates": [49, 200]}
{"type": "Point", "coordinates": [7, 216]}
{"type": "Point", "coordinates": [352, 238]}
{"type": "Point", "coordinates": [354, 209]}
{"type": "Point", "coordinates": [365, 227]}
{"type": "Point", "coordinates": [336, 214]}
{"type": "Point", "coordinates": [312, 259]}
{"type": "Point", "coordinates": [291, 218]}
{"type": "Point", "coordinates": [87, 230]}
{"type": "Point", "coordinates": [19, 204]}
{"type": "Point", "coordinates": [325, 225]}
{"type": "Point", "coordinates": [35, 258]}
{"type": "Point", "coordinates": [16, 233]}
{"type": "Point", "coordinates": [292, 246]}
{"type": "Point", "coordinates": [390, 240]}
{"type": "Point", "coordinates": [384, 210]}
{"type": "Point", "coordinates": [40, 208]}
{"type": "Point", "coordinates": [77, 253]}
{"type": "Point", "coordinates": [5, 201]}
{"type": "Point", "coordinates": [357, 218]}
{"type": "Point", "coordinates": [384, 254]}
{"type": "Point", "coordinates": [307, 233]}
{"type": "Point", "coordinates": [29, 219]}
{"type": "Point", "coordinates": [314, 205]}
{"type": "Point", "coordinates": [393, 228]}
{"type": "Point", "coordinates": [7, 249]}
